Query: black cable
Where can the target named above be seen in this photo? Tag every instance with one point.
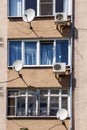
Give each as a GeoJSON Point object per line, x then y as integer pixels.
{"type": "Point", "coordinates": [10, 80]}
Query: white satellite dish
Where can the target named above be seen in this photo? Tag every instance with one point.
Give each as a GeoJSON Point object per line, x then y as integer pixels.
{"type": "Point", "coordinates": [29, 15]}
{"type": "Point", "coordinates": [17, 65]}
{"type": "Point", "coordinates": [62, 114]}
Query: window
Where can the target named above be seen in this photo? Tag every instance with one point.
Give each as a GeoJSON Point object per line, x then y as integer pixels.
{"type": "Point", "coordinates": [30, 53]}
{"type": "Point", "coordinates": [41, 7]}
{"type": "Point", "coordinates": [31, 4]}
{"type": "Point", "coordinates": [14, 51]}
{"type": "Point", "coordinates": [46, 7]}
{"type": "Point", "coordinates": [39, 53]}
{"type": "Point", "coordinates": [46, 52]}
{"type": "Point", "coordinates": [15, 8]}
{"type": "Point", "coordinates": [37, 102]}
{"type": "Point", "coordinates": [62, 51]}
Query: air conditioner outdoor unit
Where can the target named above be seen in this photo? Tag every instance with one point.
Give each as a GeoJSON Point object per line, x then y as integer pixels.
{"type": "Point", "coordinates": [59, 67]}
{"type": "Point", "coordinates": [60, 17]}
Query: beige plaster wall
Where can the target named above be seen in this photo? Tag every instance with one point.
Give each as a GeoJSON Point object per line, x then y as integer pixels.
{"type": "Point", "coordinates": [37, 77]}
{"type": "Point", "coordinates": [3, 63]}
{"type": "Point", "coordinates": [40, 124]}
{"type": "Point", "coordinates": [42, 28]}
{"type": "Point", "coordinates": [80, 69]}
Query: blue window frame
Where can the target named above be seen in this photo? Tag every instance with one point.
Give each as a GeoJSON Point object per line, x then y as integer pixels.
{"type": "Point", "coordinates": [39, 53]}
{"type": "Point", "coordinates": [41, 7]}
{"type": "Point", "coordinates": [14, 51]}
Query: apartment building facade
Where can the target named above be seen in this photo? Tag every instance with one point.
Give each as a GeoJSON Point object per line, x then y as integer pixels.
{"type": "Point", "coordinates": [32, 97]}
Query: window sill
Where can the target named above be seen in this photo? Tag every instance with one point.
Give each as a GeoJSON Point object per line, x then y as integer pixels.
{"type": "Point", "coordinates": [40, 66]}
{"type": "Point", "coordinates": [35, 66]}
{"type": "Point", "coordinates": [33, 117]}
{"type": "Point", "coordinates": [36, 17]}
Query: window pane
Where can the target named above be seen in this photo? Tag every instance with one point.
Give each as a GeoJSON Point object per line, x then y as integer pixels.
{"type": "Point", "coordinates": [46, 53]}
{"type": "Point", "coordinates": [31, 106]}
{"type": "Point", "coordinates": [55, 91]}
{"type": "Point", "coordinates": [11, 101]}
{"type": "Point", "coordinates": [62, 51]}
{"type": "Point", "coordinates": [11, 111]}
{"type": "Point", "coordinates": [65, 102]}
{"type": "Point", "coordinates": [54, 105]}
{"type": "Point", "coordinates": [23, 92]}
{"type": "Point", "coordinates": [44, 1]}
{"type": "Point", "coordinates": [12, 93]}
{"type": "Point", "coordinates": [31, 92]}
{"type": "Point", "coordinates": [43, 92]}
{"type": "Point", "coordinates": [31, 4]}
{"type": "Point", "coordinates": [15, 7]}
{"type": "Point", "coordinates": [20, 106]}
{"type": "Point", "coordinates": [65, 92]}
{"type": "Point", "coordinates": [11, 106]}
{"type": "Point", "coordinates": [14, 51]}
{"type": "Point", "coordinates": [43, 105]}
{"type": "Point", "coordinates": [59, 5]}
{"type": "Point", "coordinates": [46, 7]}
{"type": "Point", "coordinates": [30, 53]}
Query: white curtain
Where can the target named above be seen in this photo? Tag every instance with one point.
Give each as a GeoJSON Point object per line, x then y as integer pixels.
{"type": "Point", "coordinates": [46, 54]}
{"type": "Point", "coordinates": [30, 53]}
{"type": "Point", "coordinates": [15, 8]}
{"type": "Point", "coordinates": [14, 51]}
{"type": "Point", "coordinates": [65, 6]}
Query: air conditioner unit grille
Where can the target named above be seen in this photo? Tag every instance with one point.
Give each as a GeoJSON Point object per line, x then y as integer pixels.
{"type": "Point", "coordinates": [60, 17]}
{"type": "Point", "coordinates": [59, 67]}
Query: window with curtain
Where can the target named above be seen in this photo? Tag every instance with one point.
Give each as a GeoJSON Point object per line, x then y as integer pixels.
{"type": "Point", "coordinates": [37, 102]}
{"type": "Point", "coordinates": [30, 53]}
{"type": "Point", "coordinates": [41, 7]}
{"type": "Point", "coordinates": [14, 51]}
{"type": "Point", "coordinates": [39, 53]}
{"type": "Point", "coordinates": [46, 52]}
{"type": "Point", "coordinates": [15, 8]}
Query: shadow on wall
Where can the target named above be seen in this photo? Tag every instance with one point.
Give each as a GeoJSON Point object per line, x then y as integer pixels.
{"type": "Point", "coordinates": [63, 124]}
{"type": "Point", "coordinates": [64, 80]}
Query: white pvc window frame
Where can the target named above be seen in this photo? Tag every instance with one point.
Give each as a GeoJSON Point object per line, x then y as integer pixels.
{"type": "Point", "coordinates": [38, 52]}
{"type": "Point", "coordinates": [48, 95]}
{"type": "Point", "coordinates": [67, 8]}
